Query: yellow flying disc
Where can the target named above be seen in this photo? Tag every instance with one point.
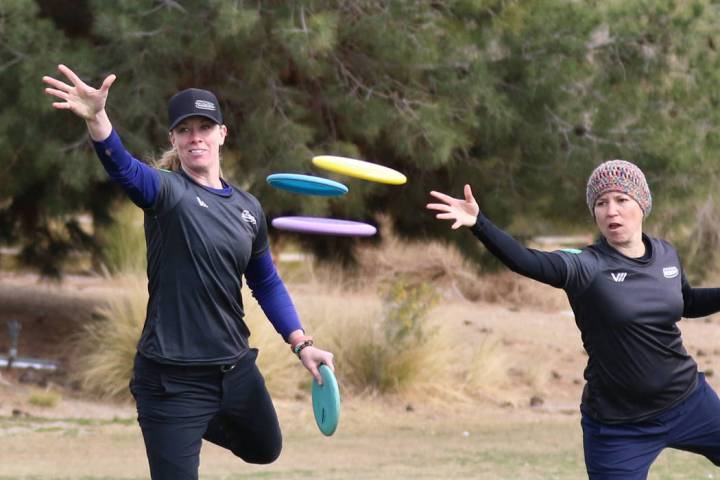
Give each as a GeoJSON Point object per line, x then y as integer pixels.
{"type": "Point", "coordinates": [359, 169]}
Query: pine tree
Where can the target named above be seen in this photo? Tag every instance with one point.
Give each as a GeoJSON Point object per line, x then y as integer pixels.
{"type": "Point", "coordinates": [519, 98]}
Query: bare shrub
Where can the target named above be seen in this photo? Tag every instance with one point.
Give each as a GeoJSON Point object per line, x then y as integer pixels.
{"type": "Point", "coordinates": [393, 348]}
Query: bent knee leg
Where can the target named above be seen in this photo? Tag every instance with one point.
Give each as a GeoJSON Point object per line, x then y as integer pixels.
{"type": "Point", "coordinates": [259, 451]}
{"type": "Point", "coordinates": [260, 457]}
{"type": "Point", "coordinates": [251, 446]}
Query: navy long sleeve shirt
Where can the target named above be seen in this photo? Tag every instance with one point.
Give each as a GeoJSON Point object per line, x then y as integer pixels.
{"type": "Point", "coordinates": [627, 311]}
{"type": "Point", "coordinates": [188, 241]}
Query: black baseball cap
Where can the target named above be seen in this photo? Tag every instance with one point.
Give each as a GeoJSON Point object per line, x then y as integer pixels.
{"type": "Point", "coordinates": [193, 102]}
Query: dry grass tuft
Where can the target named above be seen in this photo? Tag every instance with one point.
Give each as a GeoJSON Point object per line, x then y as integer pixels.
{"type": "Point", "coordinates": [282, 370]}
{"type": "Point", "coordinates": [44, 398]}
{"type": "Point", "coordinates": [107, 346]}
{"type": "Point", "coordinates": [424, 261]}
{"type": "Point", "coordinates": [391, 344]}
{"type": "Point", "coordinates": [124, 249]}
{"type": "Point", "coordinates": [384, 344]}
{"type": "Point", "coordinates": [374, 351]}
{"type": "Point", "coordinates": [487, 368]}
{"type": "Point", "coordinates": [518, 293]}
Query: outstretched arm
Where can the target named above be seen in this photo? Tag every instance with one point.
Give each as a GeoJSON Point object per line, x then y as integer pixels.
{"type": "Point", "coordinates": [542, 266]}
{"type": "Point", "coordinates": [140, 182]}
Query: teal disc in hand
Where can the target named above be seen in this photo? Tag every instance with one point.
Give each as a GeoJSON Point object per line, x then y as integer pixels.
{"type": "Point", "coordinates": [326, 401]}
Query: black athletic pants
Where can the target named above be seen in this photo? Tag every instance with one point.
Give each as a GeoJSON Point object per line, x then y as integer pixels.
{"type": "Point", "coordinates": [179, 406]}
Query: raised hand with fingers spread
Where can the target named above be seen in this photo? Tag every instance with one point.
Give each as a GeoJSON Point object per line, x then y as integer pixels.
{"type": "Point", "coordinates": [83, 100]}
{"type": "Point", "coordinates": [463, 212]}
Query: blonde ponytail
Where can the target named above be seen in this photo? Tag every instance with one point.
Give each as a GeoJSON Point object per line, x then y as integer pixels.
{"type": "Point", "coordinates": [169, 160]}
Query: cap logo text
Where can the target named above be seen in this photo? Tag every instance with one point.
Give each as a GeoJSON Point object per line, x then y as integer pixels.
{"type": "Point", "coordinates": [204, 105]}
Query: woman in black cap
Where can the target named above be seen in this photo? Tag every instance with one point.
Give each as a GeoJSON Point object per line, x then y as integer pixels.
{"type": "Point", "coordinates": [643, 391]}
{"type": "Point", "coordinates": [195, 375]}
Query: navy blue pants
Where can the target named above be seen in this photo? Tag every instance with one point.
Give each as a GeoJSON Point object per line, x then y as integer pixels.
{"type": "Point", "coordinates": [626, 451]}
{"type": "Point", "coordinates": [179, 406]}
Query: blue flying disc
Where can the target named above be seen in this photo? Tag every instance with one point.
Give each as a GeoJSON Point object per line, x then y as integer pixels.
{"type": "Point", "coordinates": [307, 184]}
{"type": "Point", "coordinates": [326, 401]}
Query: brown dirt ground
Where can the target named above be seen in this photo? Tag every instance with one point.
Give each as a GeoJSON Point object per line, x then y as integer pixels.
{"type": "Point", "coordinates": [535, 338]}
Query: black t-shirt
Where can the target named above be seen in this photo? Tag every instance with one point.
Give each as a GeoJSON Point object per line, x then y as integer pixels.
{"type": "Point", "coordinates": [199, 244]}
{"type": "Point", "coordinates": [627, 312]}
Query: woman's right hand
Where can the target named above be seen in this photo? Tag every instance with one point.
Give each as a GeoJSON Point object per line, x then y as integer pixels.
{"type": "Point", "coordinates": [83, 100]}
{"type": "Point", "coordinates": [464, 212]}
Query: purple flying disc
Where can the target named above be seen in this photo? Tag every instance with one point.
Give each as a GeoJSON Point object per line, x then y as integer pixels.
{"type": "Point", "coordinates": [324, 226]}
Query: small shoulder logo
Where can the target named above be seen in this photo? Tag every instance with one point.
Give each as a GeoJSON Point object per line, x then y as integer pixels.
{"type": "Point", "coordinates": [200, 202]}
{"type": "Point", "coordinates": [619, 277]}
{"type": "Point", "coordinates": [670, 272]}
{"type": "Point", "coordinates": [248, 217]}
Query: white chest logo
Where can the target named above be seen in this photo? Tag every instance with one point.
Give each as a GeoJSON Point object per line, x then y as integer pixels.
{"type": "Point", "coordinates": [200, 202]}
{"type": "Point", "coordinates": [248, 217]}
{"type": "Point", "coordinates": [619, 277]}
{"type": "Point", "coordinates": [670, 272]}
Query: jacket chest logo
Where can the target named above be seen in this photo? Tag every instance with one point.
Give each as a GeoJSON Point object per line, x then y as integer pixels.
{"type": "Point", "coordinates": [248, 217]}
{"type": "Point", "coordinates": [619, 276]}
{"type": "Point", "coordinates": [670, 272]}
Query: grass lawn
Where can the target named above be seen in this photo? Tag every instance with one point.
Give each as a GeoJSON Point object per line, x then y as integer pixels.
{"type": "Point", "coordinates": [376, 440]}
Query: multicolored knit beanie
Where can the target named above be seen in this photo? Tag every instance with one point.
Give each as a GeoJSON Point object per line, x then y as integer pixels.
{"type": "Point", "coordinates": [619, 176]}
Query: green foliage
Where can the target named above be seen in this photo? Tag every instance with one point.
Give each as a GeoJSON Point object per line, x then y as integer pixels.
{"type": "Point", "coordinates": [520, 99]}
{"type": "Point", "coordinates": [406, 309]}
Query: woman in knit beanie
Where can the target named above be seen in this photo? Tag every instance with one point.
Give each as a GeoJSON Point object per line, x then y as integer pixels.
{"type": "Point", "coordinates": [643, 391]}
{"type": "Point", "coordinates": [619, 199]}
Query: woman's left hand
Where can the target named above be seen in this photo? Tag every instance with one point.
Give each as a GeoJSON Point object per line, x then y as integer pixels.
{"type": "Point", "coordinates": [463, 212]}
{"type": "Point", "coordinates": [313, 357]}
